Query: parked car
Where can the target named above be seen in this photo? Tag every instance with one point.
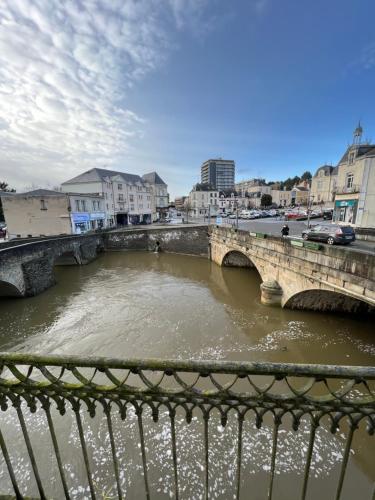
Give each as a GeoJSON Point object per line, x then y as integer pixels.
{"type": "Point", "coordinates": [330, 233]}
{"type": "Point", "coordinates": [328, 214]}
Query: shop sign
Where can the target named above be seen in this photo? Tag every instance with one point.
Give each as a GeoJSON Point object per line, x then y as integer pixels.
{"type": "Point", "coordinates": [97, 215]}
{"type": "Point", "coordinates": [345, 203]}
{"type": "Point", "coordinates": [80, 217]}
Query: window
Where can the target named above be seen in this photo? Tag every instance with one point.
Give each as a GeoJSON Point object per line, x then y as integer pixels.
{"type": "Point", "coordinates": [131, 197]}
{"type": "Point", "coordinates": [121, 197]}
{"type": "Point", "coordinates": [83, 205]}
{"type": "Point", "coordinates": [139, 197]}
{"type": "Point", "coordinates": [132, 208]}
{"type": "Point", "coordinates": [351, 157]}
{"type": "Point", "coordinates": [349, 181]}
{"type": "Point", "coordinates": [320, 184]}
{"type": "Point", "coordinates": [119, 187]}
{"type": "Point", "coordinates": [43, 205]}
{"type": "Point", "coordinates": [78, 207]}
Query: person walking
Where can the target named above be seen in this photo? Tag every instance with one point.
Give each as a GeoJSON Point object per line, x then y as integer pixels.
{"type": "Point", "coordinates": [285, 231]}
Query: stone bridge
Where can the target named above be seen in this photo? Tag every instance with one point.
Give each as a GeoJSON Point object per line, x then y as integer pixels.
{"type": "Point", "coordinates": [297, 274]}
{"type": "Point", "coordinates": [27, 269]}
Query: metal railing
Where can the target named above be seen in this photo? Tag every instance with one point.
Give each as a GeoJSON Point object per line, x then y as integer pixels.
{"type": "Point", "coordinates": [256, 394]}
{"type": "Point", "coordinates": [355, 188]}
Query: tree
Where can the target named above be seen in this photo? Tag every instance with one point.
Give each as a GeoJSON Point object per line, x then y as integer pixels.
{"type": "Point", "coordinates": [4, 187]}
{"type": "Point", "coordinates": [306, 176]}
{"type": "Point", "coordinates": [266, 200]}
{"type": "Point", "coordinates": [187, 207]}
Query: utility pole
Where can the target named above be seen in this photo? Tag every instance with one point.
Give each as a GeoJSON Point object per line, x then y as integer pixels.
{"type": "Point", "coordinates": [310, 199]}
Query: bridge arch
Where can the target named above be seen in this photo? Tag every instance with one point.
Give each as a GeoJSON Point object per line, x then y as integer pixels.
{"type": "Point", "coordinates": [327, 300]}
{"type": "Point", "coordinates": [236, 258]}
{"type": "Point", "coordinates": [67, 258]}
{"type": "Point", "coordinates": [8, 289]}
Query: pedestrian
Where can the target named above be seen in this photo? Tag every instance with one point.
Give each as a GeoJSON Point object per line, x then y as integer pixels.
{"type": "Point", "coordinates": [285, 231]}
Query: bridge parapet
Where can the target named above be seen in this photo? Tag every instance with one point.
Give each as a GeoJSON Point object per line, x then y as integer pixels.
{"type": "Point", "coordinates": [318, 277]}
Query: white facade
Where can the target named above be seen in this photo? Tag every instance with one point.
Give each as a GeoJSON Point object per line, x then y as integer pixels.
{"type": "Point", "coordinates": [203, 203]}
{"type": "Point", "coordinates": [127, 198]}
{"type": "Point", "coordinates": [232, 203]}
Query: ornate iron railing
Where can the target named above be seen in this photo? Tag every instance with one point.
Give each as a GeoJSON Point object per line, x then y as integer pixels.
{"type": "Point", "coordinates": [256, 394]}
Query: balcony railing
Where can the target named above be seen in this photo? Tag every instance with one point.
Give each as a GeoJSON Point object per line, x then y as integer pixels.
{"type": "Point", "coordinates": [355, 188]}
{"type": "Point", "coordinates": [183, 420]}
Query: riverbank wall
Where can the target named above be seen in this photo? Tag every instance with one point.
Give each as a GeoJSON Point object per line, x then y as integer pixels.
{"type": "Point", "coordinates": [188, 240]}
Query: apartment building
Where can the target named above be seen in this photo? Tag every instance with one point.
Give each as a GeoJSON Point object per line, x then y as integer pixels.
{"type": "Point", "coordinates": [44, 212]}
{"type": "Point", "coordinates": [349, 187]}
{"type": "Point", "coordinates": [281, 197]}
{"type": "Point", "coordinates": [323, 185]}
{"type": "Point", "coordinates": [230, 202]}
{"type": "Point", "coordinates": [160, 194]}
{"type": "Point", "coordinates": [355, 192]}
{"type": "Point", "coordinates": [203, 202]}
{"type": "Point", "coordinates": [218, 173]}
{"type": "Point", "coordinates": [128, 198]}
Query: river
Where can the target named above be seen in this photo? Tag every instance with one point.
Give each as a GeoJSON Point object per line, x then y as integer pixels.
{"type": "Point", "coordinates": [128, 304]}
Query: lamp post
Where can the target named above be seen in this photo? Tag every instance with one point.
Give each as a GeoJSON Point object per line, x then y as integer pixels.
{"type": "Point", "coordinates": [310, 200]}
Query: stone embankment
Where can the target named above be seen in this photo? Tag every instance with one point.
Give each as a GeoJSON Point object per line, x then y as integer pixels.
{"type": "Point", "coordinates": [189, 240]}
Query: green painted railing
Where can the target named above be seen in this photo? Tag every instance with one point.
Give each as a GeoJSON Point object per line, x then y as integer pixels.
{"type": "Point", "coordinates": [256, 393]}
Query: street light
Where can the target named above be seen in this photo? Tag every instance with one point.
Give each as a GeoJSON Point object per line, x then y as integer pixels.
{"type": "Point", "coordinates": [310, 200]}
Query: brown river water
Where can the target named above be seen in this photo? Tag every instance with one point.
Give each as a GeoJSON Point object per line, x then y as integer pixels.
{"type": "Point", "coordinates": [128, 304]}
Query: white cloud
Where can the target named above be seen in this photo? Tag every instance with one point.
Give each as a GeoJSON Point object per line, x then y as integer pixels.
{"type": "Point", "coordinates": [65, 70]}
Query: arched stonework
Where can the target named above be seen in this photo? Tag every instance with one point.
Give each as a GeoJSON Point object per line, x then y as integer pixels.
{"type": "Point", "coordinates": [9, 290]}
{"type": "Point", "coordinates": [325, 300]}
{"type": "Point", "coordinates": [234, 258]}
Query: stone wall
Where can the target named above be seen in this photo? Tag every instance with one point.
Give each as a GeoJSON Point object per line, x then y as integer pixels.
{"type": "Point", "coordinates": [185, 240]}
{"type": "Point", "coordinates": [27, 269]}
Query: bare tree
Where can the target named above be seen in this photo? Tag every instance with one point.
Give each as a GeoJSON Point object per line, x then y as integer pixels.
{"type": "Point", "coordinates": [187, 208]}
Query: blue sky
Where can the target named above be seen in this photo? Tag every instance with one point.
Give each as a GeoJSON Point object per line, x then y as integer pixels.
{"type": "Point", "coordinates": [278, 86]}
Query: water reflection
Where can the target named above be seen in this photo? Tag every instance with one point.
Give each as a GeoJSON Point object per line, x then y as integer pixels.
{"type": "Point", "coordinates": [172, 306]}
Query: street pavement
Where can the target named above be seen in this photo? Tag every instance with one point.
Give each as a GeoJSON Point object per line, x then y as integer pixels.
{"type": "Point", "coordinates": [273, 226]}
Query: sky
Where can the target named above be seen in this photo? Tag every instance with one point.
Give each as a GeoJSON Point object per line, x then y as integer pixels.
{"type": "Point", "coordinates": [144, 85]}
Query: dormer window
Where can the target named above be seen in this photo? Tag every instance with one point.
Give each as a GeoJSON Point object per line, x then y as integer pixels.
{"type": "Point", "coordinates": [351, 157]}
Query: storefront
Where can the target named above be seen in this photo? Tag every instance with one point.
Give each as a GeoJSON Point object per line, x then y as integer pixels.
{"type": "Point", "coordinates": [346, 211]}
{"type": "Point", "coordinates": [97, 220]}
{"type": "Point", "coordinates": [80, 222]}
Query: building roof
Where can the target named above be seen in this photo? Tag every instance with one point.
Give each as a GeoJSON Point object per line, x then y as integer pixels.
{"type": "Point", "coordinates": [99, 174]}
{"type": "Point", "coordinates": [153, 178]}
{"type": "Point", "coordinates": [328, 170]}
{"type": "Point", "coordinates": [42, 192]}
{"type": "Point", "coordinates": [362, 150]}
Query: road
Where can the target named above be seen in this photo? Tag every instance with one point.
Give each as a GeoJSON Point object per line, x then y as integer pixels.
{"type": "Point", "coordinates": [274, 225]}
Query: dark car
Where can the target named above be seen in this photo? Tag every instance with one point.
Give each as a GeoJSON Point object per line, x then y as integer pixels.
{"type": "Point", "coordinates": [327, 214]}
{"type": "Point", "coordinates": [330, 233]}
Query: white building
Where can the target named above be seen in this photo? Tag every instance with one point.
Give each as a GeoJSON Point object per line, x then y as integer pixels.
{"type": "Point", "coordinates": [233, 201]}
{"type": "Point", "coordinates": [355, 190]}
{"type": "Point", "coordinates": [128, 198]}
{"type": "Point", "coordinates": [160, 193]}
{"type": "Point", "coordinates": [203, 203]}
